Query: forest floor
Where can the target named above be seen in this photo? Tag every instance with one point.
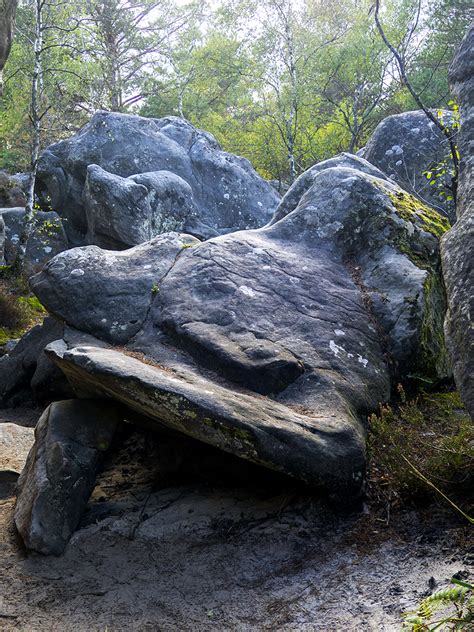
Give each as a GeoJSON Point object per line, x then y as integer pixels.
{"type": "Point", "coordinates": [193, 554]}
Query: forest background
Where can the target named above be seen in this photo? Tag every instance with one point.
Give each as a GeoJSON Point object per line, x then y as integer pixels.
{"type": "Point", "coordinates": [284, 83]}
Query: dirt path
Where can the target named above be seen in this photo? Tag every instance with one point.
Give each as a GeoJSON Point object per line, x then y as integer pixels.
{"type": "Point", "coordinates": [198, 556]}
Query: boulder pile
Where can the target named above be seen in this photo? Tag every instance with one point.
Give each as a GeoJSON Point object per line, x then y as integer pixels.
{"type": "Point", "coordinates": [272, 343]}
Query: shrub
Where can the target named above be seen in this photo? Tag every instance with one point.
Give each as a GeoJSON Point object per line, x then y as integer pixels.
{"type": "Point", "coordinates": [432, 432]}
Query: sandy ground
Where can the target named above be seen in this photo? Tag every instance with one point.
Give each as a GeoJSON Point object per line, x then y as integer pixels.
{"type": "Point", "coordinates": [161, 551]}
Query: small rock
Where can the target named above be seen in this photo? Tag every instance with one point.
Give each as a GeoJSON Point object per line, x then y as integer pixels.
{"type": "Point", "coordinates": [15, 443]}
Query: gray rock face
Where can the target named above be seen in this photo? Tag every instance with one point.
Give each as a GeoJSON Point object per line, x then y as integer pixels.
{"type": "Point", "coordinates": [404, 146]}
{"type": "Point", "coordinates": [47, 240]}
{"type": "Point", "coordinates": [18, 368]}
{"type": "Point", "coordinates": [227, 192]}
{"type": "Point", "coordinates": [60, 471]}
{"type": "Point", "coordinates": [112, 291]}
{"type": "Point", "coordinates": [272, 344]}
{"type": "Point", "coordinates": [125, 212]}
{"type": "Point", "coordinates": [458, 244]}
{"type": "Point", "coordinates": [11, 192]}
{"type": "Point", "coordinates": [305, 181]}
{"type": "Point", "coordinates": [6, 32]}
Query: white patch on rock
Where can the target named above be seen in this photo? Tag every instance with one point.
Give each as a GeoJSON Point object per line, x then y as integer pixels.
{"type": "Point", "coordinates": [397, 149]}
{"type": "Point", "coordinates": [336, 349]}
{"type": "Point", "coordinates": [339, 332]}
{"type": "Point", "coordinates": [47, 249]}
{"type": "Point", "coordinates": [389, 152]}
{"type": "Point", "coordinates": [77, 272]}
{"type": "Point", "coordinates": [362, 360]}
{"type": "Point", "coordinates": [247, 291]}
{"type": "Point", "coordinates": [226, 196]}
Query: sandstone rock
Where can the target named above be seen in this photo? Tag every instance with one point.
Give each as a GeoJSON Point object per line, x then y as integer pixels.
{"type": "Point", "coordinates": [125, 212]}
{"type": "Point", "coordinates": [228, 194]}
{"type": "Point", "coordinates": [274, 344]}
{"type": "Point", "coordinates": [60, 471]}
{"type": "Point", "coordinates": [15, 443]}
{"type": "Point", "coordinates": [47, 240]}
{"type": "Point", "coordinates": [18, 367]}
{"type": "Point", "coordinates": [323, 447]}
{"type": "Point", "coordinates": [458, 244]}
{"type": "Point", "coordinates": [305, 181]}
{"type": "Point", "coordinates": [404, 146]}
{"type": "Point", "coordinates": [11, 192]}
{"type": "Point", "coordinates": [112, 290]}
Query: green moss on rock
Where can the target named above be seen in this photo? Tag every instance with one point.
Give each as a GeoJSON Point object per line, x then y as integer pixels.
{"type": "Point", "coordinates": [422, 216]}
{"type": "Point", "coordinates": [434, 361]}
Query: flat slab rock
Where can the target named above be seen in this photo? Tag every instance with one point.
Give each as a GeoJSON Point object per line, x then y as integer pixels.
{"type": "Point", "coordinates": [325, 449]}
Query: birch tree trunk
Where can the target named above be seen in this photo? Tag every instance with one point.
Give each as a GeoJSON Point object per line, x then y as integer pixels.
{"type": "Point", "coordinates": [35, 115]}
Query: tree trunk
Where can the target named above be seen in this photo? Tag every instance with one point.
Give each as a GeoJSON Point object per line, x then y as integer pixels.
{"type": "Point", "coordinates": [35, 116]}
{"type": "Point", "coordinates": [7, 20]}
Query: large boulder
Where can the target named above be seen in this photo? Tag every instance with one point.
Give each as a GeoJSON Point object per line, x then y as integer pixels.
{"type": "Point", "coordinates": [458, 243]}
{"type": "Point", "coordinates": [60, 471]}
{"type": "Point", "coordinates": [227, 193]}
{"type": "Point", "coordinates": [47, 238]}
{"type": "Point", "coordinates": [11, 191]}
{"type": "Point", "coordinates": [273, 344]}
{"type": "Point", "coordinates": [406, 145]}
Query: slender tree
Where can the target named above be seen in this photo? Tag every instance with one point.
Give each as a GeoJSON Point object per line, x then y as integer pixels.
{"type": "Point", "coordinates": [447, 130]}
{"type": "Point", "coordinates": [53, 25]}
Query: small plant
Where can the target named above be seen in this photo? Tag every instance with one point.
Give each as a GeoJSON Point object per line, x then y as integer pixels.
{"type": "Point", "coordinates": [442, 174]}
{"type": "Point", "coordinates": [448, 609]}
{"type": "Point", "coordinates": [17, 312]}
{"type": "Point", "coordinates": [420, 447]}
{"type": "Point", "coordinates": [155, 289]}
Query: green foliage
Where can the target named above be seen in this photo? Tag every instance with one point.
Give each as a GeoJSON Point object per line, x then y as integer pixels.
{"type": "Point", "coordinates": [268, 79]}
{"type": "Point", "coordinates": [17, 312]}
{"type": "Point", "coordinates": [431, 431]}
{"type": "Point", "coordinates": [448, 609]}
{"type": "Point", "coordinates": [441, 174]}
